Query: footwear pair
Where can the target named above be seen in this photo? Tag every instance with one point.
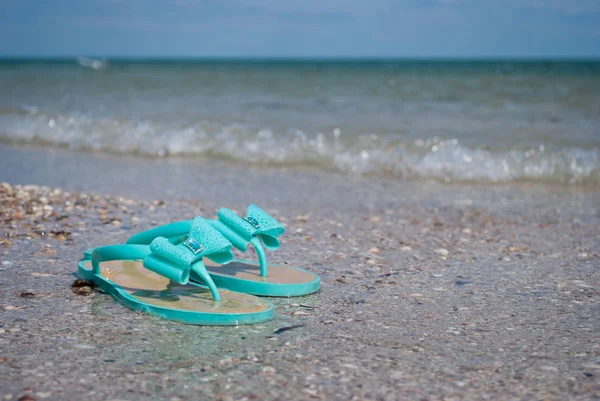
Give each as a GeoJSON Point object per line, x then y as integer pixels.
{"type": "Point", "coordinates": [163, 272]}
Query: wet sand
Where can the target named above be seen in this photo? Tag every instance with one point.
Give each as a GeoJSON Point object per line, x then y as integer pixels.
{"type": "Point", "coordinates": [430, 291]}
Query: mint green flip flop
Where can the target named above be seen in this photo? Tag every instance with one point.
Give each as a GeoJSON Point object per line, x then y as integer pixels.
{"type": "Point", "coordinates": [252, 277]}
{"type": "Point", "coordinates": [155, 279]}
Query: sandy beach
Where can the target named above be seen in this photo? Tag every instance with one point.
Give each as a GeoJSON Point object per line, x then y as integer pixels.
{"type": "Point", "coordinates": [429, 291]}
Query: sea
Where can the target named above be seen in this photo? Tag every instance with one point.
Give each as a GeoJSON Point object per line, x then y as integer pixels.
{"type": "Point", "coordinates": [453, 121]}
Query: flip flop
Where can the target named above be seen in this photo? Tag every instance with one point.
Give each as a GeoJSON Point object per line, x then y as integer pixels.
{"type": "Point", "coordinates": [155, 279]}
{"type": "Point", "coordinates": [253, 277]}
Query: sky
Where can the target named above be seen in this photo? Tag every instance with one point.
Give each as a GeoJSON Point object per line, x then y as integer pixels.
{"type": "Point", "coordinates": [299, 29]}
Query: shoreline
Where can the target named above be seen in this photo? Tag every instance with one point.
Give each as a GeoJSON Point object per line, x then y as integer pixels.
{"type": "Point", "coordinates": [15, 167]}
{"type": "Point", "coordinates": [233, 161]}
{"type": "Point", "coordinates": [429, 290]}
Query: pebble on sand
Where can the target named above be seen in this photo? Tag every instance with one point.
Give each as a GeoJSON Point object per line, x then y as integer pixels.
{"type": "Point", "coordinates": [583, 257]}
{"type": "Point", "coordinates": [85, 290]}
{"type": "Point", "coordinates": [442, 252]}
{"type": "Point", "coordinates": [82, 287]}
{"type": "Point", "coordinates": [374, 251]}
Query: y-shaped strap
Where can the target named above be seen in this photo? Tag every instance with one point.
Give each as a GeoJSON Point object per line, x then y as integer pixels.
{"type": "Point", "coordinates": [256, 228]}
{"type": "Point", "coordinates": [175, 262]}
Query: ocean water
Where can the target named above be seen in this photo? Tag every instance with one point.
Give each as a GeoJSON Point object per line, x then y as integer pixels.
{"type": "Point", "coordinates": [461, 121]}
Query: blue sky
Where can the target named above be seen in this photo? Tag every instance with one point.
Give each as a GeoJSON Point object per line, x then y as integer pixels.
{"type": "Point", "coordinates": [307, 28]}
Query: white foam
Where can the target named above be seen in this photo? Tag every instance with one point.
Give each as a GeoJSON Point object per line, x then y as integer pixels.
{"type": "Point", "coordinates": [430, 158]}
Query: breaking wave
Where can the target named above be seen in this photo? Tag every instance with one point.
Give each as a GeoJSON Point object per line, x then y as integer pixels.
{"type": "Point", "coordinates": [447, 160]}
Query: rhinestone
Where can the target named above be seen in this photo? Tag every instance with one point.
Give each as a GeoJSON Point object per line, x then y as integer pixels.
{"type": "Point", "coordinates": [253, 222]}
{"type": "Point", "coordinates": [193, 246]}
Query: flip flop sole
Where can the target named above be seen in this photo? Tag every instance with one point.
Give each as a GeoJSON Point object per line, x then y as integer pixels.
{"type": "Point", "coordinates": [144, 291]}
{"type": "Point", "coordinates": [244, 276]}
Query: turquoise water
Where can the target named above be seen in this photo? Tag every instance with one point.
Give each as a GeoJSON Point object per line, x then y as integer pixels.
{"type": "Point", "coordinates": [488, 121]}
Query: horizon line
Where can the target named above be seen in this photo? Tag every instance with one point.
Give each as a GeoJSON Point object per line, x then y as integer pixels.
{"type": "Point", "coordinates": [301, 58]}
